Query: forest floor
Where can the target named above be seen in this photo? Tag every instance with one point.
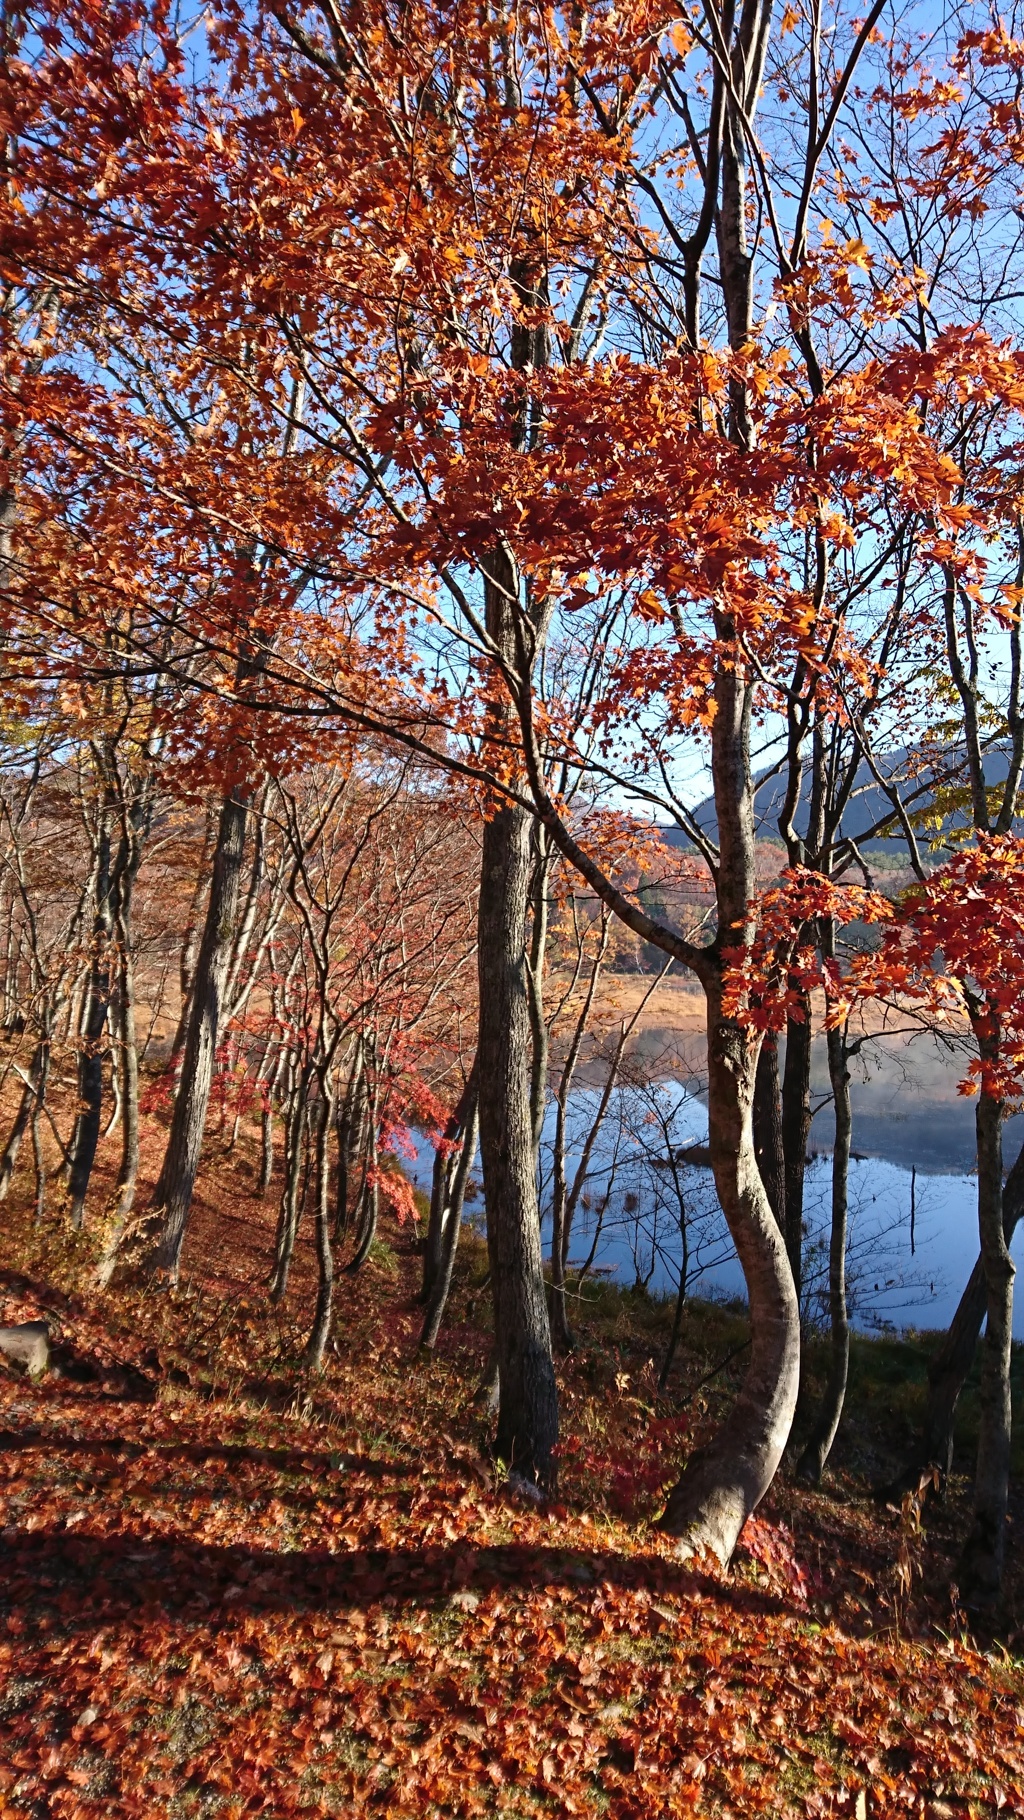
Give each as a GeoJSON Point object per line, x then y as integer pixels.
{"type": "Point", "coordinates": [228, 1590]}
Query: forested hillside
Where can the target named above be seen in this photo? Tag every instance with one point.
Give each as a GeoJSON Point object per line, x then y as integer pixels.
{"type": "Point", "coordinates": [511, 535]}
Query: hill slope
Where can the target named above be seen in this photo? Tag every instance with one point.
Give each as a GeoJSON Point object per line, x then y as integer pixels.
{"type": "Point", "coordinates": [226, 1591]}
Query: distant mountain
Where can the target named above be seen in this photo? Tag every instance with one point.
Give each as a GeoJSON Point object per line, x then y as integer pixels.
{"type": "Point", "coordinates": [867, 806]}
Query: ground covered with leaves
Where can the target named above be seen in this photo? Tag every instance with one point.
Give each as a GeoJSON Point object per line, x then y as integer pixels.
{"type": "Point", "coordinates": [229, 1591]}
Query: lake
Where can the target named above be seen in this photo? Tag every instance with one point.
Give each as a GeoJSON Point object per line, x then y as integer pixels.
{"type": "Point", "coordinates": [913, 1206]}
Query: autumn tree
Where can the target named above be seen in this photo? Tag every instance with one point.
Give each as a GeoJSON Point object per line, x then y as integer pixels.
{"type": "Point", "coordinates": [584, 368]}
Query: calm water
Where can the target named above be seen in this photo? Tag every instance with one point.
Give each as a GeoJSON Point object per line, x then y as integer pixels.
{"type": "Point", "coordinates": [634, 1208]}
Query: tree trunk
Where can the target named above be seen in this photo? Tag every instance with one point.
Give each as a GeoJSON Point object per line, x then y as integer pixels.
{"type": "Point", "coordinates": [535, 978]}
{"type": "Point", "coordinates": [438, 1300]}
{"type": "Point", "coordinates": [768, 1142]}
{"type": "Point", "coordinates": [563, 1202]}
{"type": "Point", "coordinates": [271, 1087]}
{"type": "Point", "coordinates": [321, 1332]}
{"type": "Point", "coordinates": [528, 1398]}
{"type": "Point", "coordinates": [29, 1098]}
{"type": "Point", "coordinates": [189, 950]}
{"type": "Point", "coordinates": [984, 1553]}
{"type": "Point", "coordinates": [185, 1142]}
{"type": "Point", "coordinates": [369, 1197]}
{"type": "Point", "coordinates": [446, 1165]}
{"type": "Point", "coordinates": [812, 1460]}
{"type": "Point", "coordinates": [93, 1027]}
{"type": "Point", "coordinates": [114, 1023]}
{"type": "Point", "coordinates": [724, 1482]}
{"type": "Point", "coordinates": [341, 1179]}
{"type": "Point", "coordinates": [677, 1318]}
{"type": "Point", "coordinates": [721, 1484]}
{"type": "Point", "coordinates": [561, 1332]}
{"type": "Point", "coordinates": [38, 1159]}
{"type": "Point", "coordinates": [129, 1171]}
{"type": "Point", "coordinates": [796, 1130]}
{"type": "Point", "coordinates": [350, 1138]}
{"type": "Point", "coordinates": [953, 1358]}
{"type": "Point", "coordinates": [288, 1213]}
{"type": "Point", "coordinates": [266, 1146]}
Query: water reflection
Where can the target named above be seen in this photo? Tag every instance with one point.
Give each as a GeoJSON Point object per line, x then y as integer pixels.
{"type": "Point", "coordinates": [646, 1207]}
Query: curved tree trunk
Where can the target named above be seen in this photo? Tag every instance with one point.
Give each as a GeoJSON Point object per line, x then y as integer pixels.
{"type": "Point", "coordinates": [983, 1557]}
{"type": "Point", "coordinates": [721, 1484]}
{"type": "Point", "coordinates": [185, 1142]}
{"type": "Point", "coordinates": [724, 1482]}
{"type": "Point", "coordinates": [812, 1460]}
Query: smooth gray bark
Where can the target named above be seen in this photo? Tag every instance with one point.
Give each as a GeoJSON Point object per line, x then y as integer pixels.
{"type": "Point", "coordinates": [768, 1141]}
{"type": "Point", "coordinates": [128, 1175]}
{"type": "Point", "coordinates": [723, 1483]}
{"type": "Point", "coordinates": [290, 1209]}
{"type": "Point", "coordinates": [316, 1346]}
{"type": "Point", "coordinates": [351, 1122]}
{"type": "Point", "coordinates": [188, 1123]}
